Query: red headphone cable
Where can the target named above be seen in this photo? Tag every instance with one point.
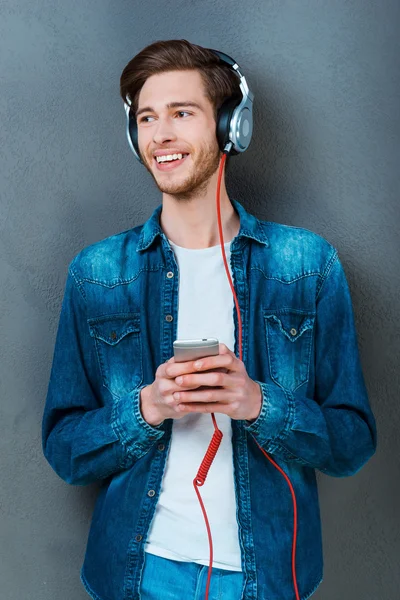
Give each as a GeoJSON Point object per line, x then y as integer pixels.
{"type": "Point", "coordinates": [212, 450]}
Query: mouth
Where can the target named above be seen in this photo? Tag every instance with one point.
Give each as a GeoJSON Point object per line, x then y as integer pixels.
{"type": "Point", "coordinates": [171, 164]}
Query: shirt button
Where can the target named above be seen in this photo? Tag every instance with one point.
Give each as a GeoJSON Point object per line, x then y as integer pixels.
{"type": "Point", "coordinates": [161, 447]}
{"type": "Point", "coordinates": [151, 493]}
{"type": "Point", "coordinates": [170, 274]}
{"type": "Point", "coordinates": [293, 331]}
{"type": "Point", "coordinates": [113, 335]}
{"type": "Point", "coordinates": [169, 318]}
{"type": "Point", "coordinates": [139, 538]}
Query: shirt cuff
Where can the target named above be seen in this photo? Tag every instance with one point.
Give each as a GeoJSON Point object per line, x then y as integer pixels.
{"type": "Point", "coordinates": [133, 431]}
{"type": "Point", "coordinates": [273, 421]}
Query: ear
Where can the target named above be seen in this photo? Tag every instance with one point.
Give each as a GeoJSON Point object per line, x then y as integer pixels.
{"type": "Point", "coordinates": [224, 116]}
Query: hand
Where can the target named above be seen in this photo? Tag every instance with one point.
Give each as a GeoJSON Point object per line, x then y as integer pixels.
{"type": "Point", "coordinates": [232, 392]}
{"type": "Point", "coordinates": [157, 401]}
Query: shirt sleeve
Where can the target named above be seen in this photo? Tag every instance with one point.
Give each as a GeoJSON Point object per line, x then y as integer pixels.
{"type": "Point", "coordinates": [83, 438]}
{"type": "Point", "coordinates": [335, 431]}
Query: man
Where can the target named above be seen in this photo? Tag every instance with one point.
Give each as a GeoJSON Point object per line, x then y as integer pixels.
{"type": "Point", "coordinates": [116, 411]}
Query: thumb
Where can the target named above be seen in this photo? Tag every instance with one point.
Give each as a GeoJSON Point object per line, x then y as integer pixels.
{"type": "Point", "coordinates": [223, 349]}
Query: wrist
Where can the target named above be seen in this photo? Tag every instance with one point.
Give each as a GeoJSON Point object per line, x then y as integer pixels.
{"type": "Point", "coordinates": [147, 408]}
{"type": "Point", "coordinates": [257, 406]}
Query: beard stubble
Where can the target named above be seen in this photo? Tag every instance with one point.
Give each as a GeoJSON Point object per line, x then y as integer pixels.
{"type": "Point", "coordinates": [196, 182]}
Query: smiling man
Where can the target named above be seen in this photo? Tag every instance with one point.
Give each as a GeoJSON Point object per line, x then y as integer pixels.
{"type": "Point", "coordinates": [122, 412]}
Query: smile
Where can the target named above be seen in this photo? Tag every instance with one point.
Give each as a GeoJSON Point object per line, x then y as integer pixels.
{"type": "Point", "coordinates": [172, 163]}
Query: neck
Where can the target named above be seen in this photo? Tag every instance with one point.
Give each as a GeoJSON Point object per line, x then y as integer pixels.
{"type": "Point", "coordinates": [193, 222]}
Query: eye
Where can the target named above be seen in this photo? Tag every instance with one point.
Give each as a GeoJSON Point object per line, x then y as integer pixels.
{"type": "Point", "coordinates": [179, 112]}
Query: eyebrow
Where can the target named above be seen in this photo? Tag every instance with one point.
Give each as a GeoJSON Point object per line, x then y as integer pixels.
{"type": "Point", "coordinates": [170, 105]}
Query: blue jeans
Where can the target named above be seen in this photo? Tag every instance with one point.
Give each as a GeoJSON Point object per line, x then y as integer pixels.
{"type": "Point", "coordinates": [165, 579]}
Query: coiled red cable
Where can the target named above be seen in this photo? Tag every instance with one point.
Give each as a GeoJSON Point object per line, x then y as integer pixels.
{"type": "Point", "coordinates": [212, 450]}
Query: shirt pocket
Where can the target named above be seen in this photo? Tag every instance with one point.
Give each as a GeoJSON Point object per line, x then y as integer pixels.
{"type": "Point", "coordinates": [289, 334]}
{"type": "Point", "coordinates": [119, 351]}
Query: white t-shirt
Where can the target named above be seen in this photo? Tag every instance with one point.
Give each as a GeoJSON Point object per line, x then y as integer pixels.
{"type": "Point", "coordinates": [178, 530]}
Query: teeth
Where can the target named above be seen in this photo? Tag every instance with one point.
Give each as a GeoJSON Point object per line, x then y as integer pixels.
{"type": "Point", "coordinates": [169, 157]}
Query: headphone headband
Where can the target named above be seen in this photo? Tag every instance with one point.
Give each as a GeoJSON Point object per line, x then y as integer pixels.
{"type": "Point", "coordinates": [234, 120]}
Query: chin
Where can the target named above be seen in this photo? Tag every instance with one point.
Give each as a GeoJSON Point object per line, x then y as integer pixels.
{"type": "Point", "coordinates": [176, 190]}
{"type": "Point", "coordinates": [185, 186]}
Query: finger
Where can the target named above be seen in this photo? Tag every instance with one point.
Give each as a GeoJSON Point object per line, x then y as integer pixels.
{"type": "Point", "coordinates": [208, 379]}
{"type": "Point", "coordinates": [226, 360]}
{"type": "Point", "coordinates": [223, 349]}
{"type": "Point", "coordinates": [163, 368]}
{"type": "Point", "coordinates": [200, 407]}
{"type": "Point", "coordinates": [179, 368]}
{"type": "Point", "coordinates": [205, 395]}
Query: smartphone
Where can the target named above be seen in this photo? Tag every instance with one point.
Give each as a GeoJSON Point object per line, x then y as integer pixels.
{"type": "Point", "coordinates": [185, 350]}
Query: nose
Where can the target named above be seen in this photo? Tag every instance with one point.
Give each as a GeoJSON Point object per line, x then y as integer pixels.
{"type": "Point", "coordinates": [163, 132]}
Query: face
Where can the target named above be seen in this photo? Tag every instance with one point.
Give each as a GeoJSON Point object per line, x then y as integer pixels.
{"type": "Point", "coordinates": [174, 116]}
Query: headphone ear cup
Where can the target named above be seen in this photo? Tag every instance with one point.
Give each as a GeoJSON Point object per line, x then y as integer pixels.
{"type": "Point", "coordinates": [223, 122]}
{"type": "Point", "coordinates": [133, 132]}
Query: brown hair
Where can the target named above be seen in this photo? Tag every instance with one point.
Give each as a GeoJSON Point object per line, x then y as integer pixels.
{"type": "Point", "coordinates": [220, 82]}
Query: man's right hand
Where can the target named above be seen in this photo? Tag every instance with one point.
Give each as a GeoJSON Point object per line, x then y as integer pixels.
{"type": "Point", "coordinates": [157, 401]}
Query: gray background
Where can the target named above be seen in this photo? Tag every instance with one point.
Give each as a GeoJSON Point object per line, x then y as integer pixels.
{"type": "Point", "coordinates": [325, 156]}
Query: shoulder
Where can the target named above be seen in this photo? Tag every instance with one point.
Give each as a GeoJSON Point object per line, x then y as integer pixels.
{"type": "Point", "coordinates": [106, 261]}
{"type": "Point", "coordinates": [297, 251]}
{"type": "Point", "coordinates": [284, 235]}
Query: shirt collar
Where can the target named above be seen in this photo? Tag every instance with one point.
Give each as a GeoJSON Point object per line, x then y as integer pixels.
{"type": "Point", "coordinates": [250, 227]}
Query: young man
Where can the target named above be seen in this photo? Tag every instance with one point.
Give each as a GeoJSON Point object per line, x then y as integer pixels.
{"type": "Point", "coordinates": [116, 411]}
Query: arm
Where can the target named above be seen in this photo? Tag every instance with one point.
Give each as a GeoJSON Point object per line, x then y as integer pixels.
{"type": "Point", "coordinates": [335, 431]}
{"type": "Point", "coordinates": [84, 440]}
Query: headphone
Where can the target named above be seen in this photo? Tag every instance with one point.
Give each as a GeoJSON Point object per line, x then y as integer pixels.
{"type": "Point", "coordinates": [234, 119]}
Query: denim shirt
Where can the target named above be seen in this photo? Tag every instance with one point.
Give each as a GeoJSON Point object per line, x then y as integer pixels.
{"type": "Point", "coordinates": [117, 325]}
